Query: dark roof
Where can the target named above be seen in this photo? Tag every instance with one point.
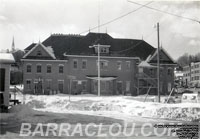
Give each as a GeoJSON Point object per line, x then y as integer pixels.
{"type": "Point", "coordinates": [79, 45]}
{"type": "Point", "coordinates": [30, 47]}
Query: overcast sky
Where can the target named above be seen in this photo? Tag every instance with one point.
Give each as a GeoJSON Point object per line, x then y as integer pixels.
{"type": "Point", "coordinates": [31, 20]}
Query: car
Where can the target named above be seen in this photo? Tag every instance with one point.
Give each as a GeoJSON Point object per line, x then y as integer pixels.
{"type": "Point", "coordinates": [192, 98]}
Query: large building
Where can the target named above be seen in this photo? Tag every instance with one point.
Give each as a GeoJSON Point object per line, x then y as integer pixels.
{"type": "Point", "coordinates": [191, 74]}
{"type": "Point", "coordinates": [68, 64]}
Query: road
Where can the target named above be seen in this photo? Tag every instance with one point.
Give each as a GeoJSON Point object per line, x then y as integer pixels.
{"type": "Point", "coordinates": [110, 128]}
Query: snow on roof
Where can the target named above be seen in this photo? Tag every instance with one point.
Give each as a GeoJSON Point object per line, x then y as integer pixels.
{"type": "Point", "coordinates": [50, 51]}
{"type": "Point", "coordinates": [6, 58]}
{"type": "Point", "coordinates": [145, 64]}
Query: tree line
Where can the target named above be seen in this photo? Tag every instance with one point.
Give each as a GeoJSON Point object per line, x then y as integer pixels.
{"type": "Point", "coordinates": [187, 59]}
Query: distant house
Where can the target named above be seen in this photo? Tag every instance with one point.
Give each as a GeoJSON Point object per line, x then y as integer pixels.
{"type": "Point", "coordinates": [66, 63]}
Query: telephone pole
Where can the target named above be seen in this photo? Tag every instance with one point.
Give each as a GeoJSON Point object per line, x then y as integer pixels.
{"type": "Point", "coordinates": [158, 63]}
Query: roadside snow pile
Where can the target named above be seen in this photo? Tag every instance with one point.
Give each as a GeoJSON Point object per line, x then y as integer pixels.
{"type": "Point", "coordinates": [182, 111]}
{"type": "Point", "coordinates": [21, 111]}
{"type": "Point", "coordinates": [116, 104]}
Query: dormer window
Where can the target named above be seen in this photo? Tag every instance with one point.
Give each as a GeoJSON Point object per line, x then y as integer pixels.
{"type": "Point", "coordinates": [39, 53]}
{"type": "Point", "coordinates": [104, 50]}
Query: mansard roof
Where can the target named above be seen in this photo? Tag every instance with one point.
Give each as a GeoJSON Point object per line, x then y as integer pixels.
{"type": "Point", "coordinates": [79, 45]}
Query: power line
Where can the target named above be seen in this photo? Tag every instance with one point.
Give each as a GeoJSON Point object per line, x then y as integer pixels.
{"type": "Point", "coordinates": [115, 19]}
{"type": "Point", "coordinates": [117, 52]}
{"type": "Point", "coordinates": [164, 12]}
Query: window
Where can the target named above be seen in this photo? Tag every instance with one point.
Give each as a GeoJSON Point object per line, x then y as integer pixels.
{"type": "Point", "coordinates": [84, 64]}
{"type": "Point", "coordinates": [75, 64]}
{"type": "Point", "coordinates": [28, 83]}
{"type": "Point", "coordinates": [61, 68]}
{"type": "Point", "coordinates": [119, 65]}
{"type": "Point", "coordinates": [169, 71]}
{"type": "Point", "coordinates": [48, 68]}
{"type": "Point", "coordinates": [104, 50]}
{"type": "Point", "coordinates": [103, 64]}
{"type": "Point", "coordinates": [128, 65]}
{"type": "Point", "coordinates": [39, 68]}
{"type": "Point", "coordinates": [39, 53]}
{"type": "Point", "coordinates": [28, 68]}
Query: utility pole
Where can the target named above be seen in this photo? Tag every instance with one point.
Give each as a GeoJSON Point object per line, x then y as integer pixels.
{"type": "Point", "coordinates": [99, 81]}
{"type": "Point", "coordinates": [98, 66]}
{"type": "Point", "coordinates": [158, 63]}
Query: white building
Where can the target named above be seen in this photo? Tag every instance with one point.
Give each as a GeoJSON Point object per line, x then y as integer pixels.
{"type": "Point", "coordinates": [191, 74]}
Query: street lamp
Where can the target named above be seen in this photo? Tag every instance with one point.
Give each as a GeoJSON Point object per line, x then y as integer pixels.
{"type": "Point", "coordinates": [98, 49]}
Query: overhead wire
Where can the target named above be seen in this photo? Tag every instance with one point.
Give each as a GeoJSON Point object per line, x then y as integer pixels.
{"type": "Point", "coordinates": [117, 18]}
{"type": "Point", "coordinates": [165, 12]}
{"type": "Point", "coordinates": [133, 46]}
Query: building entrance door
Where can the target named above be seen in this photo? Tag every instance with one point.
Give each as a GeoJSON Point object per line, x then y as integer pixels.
{"type": "Point", "coordinates": [119, 87]}
{"type": "Point", "coordinates": [38, 87]}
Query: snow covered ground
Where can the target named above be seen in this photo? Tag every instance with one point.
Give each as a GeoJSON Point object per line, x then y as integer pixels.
{"type": "Point", "coordinates": [122, 107]}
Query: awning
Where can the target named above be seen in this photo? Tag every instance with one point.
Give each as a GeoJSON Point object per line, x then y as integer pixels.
{"type": "Point", "coordinates": [102, 78]}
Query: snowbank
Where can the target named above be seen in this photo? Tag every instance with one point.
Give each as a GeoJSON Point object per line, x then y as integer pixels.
{"type": "Point", "coordinates": [22, 111]}
{"type": "Point", "coordinates": [113, 104]}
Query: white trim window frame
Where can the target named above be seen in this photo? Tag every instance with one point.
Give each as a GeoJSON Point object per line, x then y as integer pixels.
{"type": "Point", "coordinates": [49, 70]}
{"type": "Point", "coordinates": [60, 68]}
{"type": "Point", "coordinates": [28, 70]}
{"type": "Point", "coordinates": [103, 64]}
{"type": "Point", "coordinates": [84, 64]}
{"type": "Point", "coordinates": [38, 71]}
{"type": "Point", "coordinates": [75, 64]}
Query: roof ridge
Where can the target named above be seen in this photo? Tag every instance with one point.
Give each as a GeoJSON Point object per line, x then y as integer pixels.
{"type": "Point", "coordinates": [61, 34]}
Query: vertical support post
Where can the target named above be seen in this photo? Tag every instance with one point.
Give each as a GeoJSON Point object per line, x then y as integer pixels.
{"type": "Point", "coordinates": [158, 63]}
{"type": "Point", "coordinates": [99, 83]}
{"type": "Point", "coordinates": [70, 88]}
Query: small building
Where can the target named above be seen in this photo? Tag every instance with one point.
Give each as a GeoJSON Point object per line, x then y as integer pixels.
{"type": "Point", "coordinates": [6, 59]}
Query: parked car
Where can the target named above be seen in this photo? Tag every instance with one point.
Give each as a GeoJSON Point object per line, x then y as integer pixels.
{"type": "Point", "coordinates": [192, 98]}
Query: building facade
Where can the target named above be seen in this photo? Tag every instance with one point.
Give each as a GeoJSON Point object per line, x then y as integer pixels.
{"type": "Point", "coordinates": [6, 59]}
{"type": "Point", "coordinates": [68, 64]}
{"type": "Point", "coordinates": [191, 75]}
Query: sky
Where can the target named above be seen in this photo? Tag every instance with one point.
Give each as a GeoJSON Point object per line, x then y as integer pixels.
{"type": "Point", "coordinates": [33, 20]}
